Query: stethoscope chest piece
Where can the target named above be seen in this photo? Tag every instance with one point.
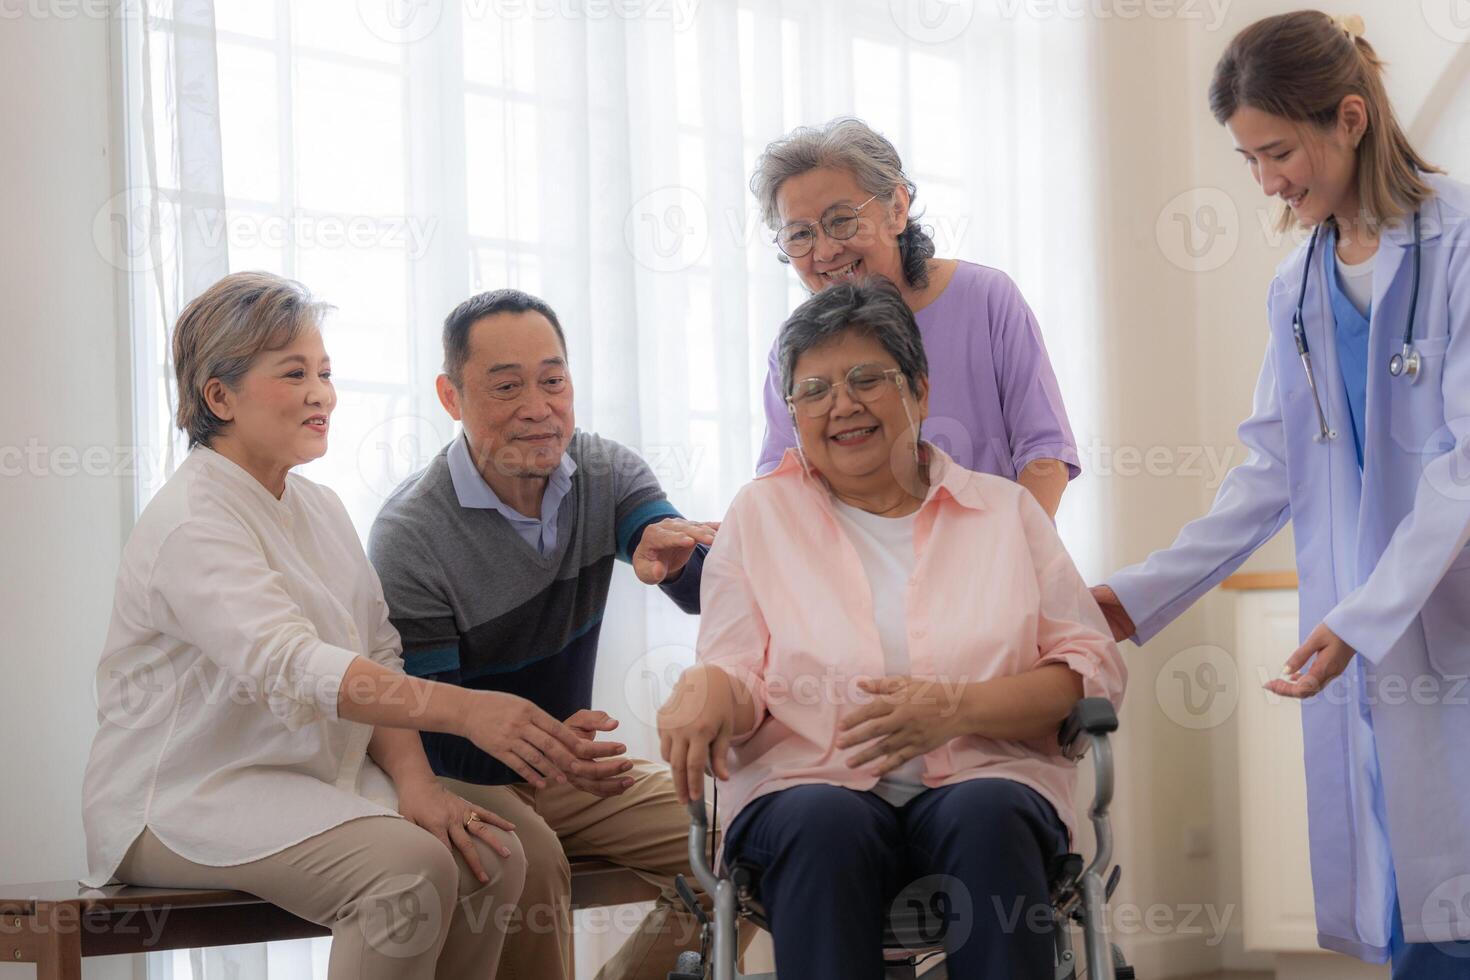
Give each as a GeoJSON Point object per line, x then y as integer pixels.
{"type": "Point", "coordinates": [1406, 362]}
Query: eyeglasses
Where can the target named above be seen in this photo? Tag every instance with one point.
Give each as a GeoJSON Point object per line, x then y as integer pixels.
{"type": "Point", "coordinates": [866, 383]}
{"type": "Point", "coordinates": [840, 222]}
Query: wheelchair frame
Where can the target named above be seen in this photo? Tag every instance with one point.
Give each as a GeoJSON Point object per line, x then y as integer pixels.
{"type": "Point", "coordinates": [1078, 895]}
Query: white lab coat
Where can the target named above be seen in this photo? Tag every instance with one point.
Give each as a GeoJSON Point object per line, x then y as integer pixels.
{"type": "Point", "coordinates": [1381, 559]}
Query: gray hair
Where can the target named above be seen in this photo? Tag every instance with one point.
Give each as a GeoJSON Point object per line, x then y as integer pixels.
{"type": "Point", "coordinates": [871, 306]}
{"type": "Point", "coordinates": [852, 145]}
{"type": "Point", "coordinates": [221, 332]}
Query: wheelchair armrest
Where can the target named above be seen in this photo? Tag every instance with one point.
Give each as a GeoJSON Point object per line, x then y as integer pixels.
{"type": "Point", "coordinates": [1090, 716]}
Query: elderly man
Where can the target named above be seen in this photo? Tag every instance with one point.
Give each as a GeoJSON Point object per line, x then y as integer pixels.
{"type": "Point", "coordinates": [496, 561]}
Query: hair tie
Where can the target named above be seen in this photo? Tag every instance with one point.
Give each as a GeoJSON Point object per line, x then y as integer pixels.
{"type": "Point", "coordinates": [1350, 23]}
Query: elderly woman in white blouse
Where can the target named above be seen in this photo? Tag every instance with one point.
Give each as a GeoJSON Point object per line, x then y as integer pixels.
{"type": "Point", "coordinates": [256, 729]}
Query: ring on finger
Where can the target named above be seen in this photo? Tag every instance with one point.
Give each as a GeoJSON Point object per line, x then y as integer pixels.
{"type": "Point", "coordinates": [473, 818]}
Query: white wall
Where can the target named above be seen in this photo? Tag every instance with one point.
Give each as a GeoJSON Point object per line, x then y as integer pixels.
{"type": "Point", "coordinates": [61, 362]}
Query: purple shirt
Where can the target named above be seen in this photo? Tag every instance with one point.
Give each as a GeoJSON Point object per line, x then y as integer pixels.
{"type": "Point", "coordinates": [994, 404]}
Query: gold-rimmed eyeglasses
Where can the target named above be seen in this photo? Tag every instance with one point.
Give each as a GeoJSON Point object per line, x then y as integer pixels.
{"type": "Point", "coordinates": [840, 222]}
{"type": "Point", "coordinates": [814, 397]}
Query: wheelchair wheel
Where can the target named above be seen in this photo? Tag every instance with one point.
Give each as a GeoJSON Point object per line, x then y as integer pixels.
{"type": "Point", "coordinates": [688, 967]}
{"type": "Point", "coordinates": [1121, 969]}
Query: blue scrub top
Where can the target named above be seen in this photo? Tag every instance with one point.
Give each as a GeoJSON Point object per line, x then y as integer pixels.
{"type": "Point", "coordinates": [1352, 348]}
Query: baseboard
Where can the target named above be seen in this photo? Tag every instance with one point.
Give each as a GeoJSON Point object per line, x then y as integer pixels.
{"type": "Point", "coordinates": [1162, 957]}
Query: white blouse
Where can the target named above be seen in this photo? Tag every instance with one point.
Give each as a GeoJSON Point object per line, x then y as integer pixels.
{"type": "Point", "coordinates": [234, 618]}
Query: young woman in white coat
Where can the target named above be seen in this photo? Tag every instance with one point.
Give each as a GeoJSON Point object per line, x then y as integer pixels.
{"type": "Point", "coordinates": [1360, 437]}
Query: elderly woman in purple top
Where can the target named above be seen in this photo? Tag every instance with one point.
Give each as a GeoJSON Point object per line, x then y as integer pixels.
{"type": "Point", "coordinates": [839, 202]}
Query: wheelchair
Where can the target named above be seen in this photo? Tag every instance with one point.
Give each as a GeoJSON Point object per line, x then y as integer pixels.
{"type": "Point", "coordinates": [916, 926]}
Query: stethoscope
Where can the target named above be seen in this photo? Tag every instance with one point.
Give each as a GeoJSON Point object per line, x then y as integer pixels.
{"type": "Point", "coordinates": [1405, 362]}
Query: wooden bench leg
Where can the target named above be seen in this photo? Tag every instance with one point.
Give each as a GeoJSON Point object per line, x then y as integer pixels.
{"type": "Point", "coordinates": [58, 945]}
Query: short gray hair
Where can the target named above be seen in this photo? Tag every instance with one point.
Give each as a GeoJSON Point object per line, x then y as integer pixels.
{"type": "Point", "coordinates": [871, 306]}
{"type": "Point", "coordinates": [221, 332]}
{"type": "Point", "coordinates": [847, 144]}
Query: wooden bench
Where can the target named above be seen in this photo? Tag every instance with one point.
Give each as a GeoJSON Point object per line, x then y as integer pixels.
{"type": "Point", "coordinates": [55, 924]}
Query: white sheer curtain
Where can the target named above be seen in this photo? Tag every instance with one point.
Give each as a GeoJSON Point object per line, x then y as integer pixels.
{"type": "Point", "coordinates": [398, 155]}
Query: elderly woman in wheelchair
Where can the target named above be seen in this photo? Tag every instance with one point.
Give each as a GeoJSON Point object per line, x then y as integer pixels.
{"type": "Point", "coordinates": [889, 644]}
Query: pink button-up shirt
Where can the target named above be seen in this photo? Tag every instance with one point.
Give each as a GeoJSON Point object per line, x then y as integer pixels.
{"type": "Point", "coordinates": [788, 613]}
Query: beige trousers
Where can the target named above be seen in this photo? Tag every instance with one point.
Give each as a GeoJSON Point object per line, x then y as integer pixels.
{"type": "Point", "coordinates": [399, 904]}
{"type": "Point", "coordinates": [644, 829]}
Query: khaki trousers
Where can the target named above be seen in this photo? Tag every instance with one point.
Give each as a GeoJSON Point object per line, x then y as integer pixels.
{"type": "Point", "coordinates": [644, 829]}
{"type": "Point", "coordinates": [399, 904]}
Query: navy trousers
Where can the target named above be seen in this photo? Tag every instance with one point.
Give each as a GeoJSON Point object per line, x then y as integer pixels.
{"type": "Point", "coordinates": [833, 860]}
{"type": "Point", "coordinates": [1447, 960]}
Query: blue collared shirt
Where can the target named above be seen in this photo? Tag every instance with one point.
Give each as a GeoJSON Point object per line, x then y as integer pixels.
{"type": "Point", "coordinates": [472, 490]}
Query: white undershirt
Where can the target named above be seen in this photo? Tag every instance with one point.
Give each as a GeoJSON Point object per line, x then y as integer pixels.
{"type": "Point", "coordinates": [886, 547]}
{"type": "Point", "coordinates": [1357, 282]}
